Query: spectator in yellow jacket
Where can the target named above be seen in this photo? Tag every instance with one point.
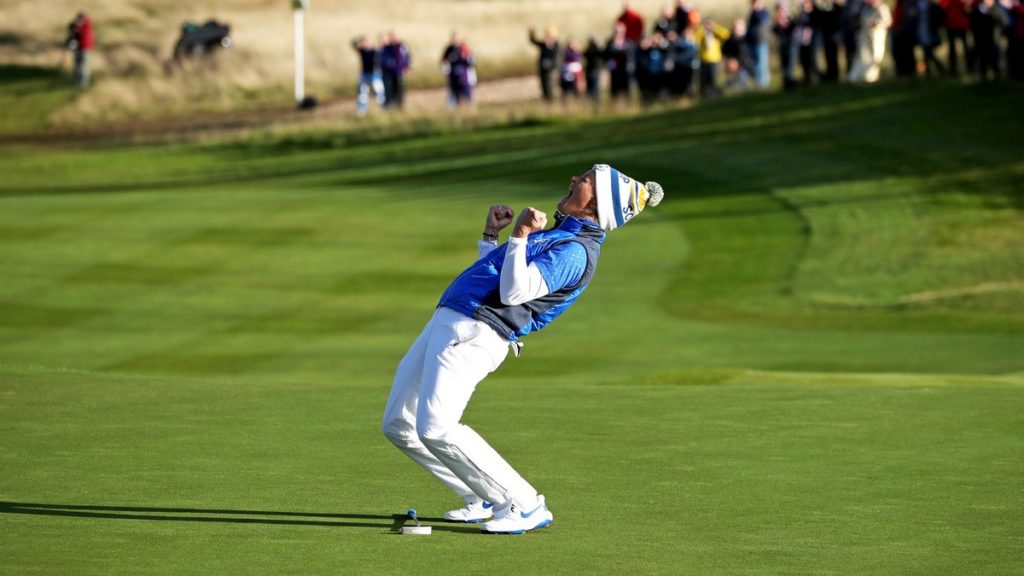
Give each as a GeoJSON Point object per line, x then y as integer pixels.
{"type": "Point", "coordinates": [709, 38]}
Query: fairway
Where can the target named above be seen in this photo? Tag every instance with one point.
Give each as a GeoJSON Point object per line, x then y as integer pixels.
{"type": "Point", "coordinates": [808, 360]}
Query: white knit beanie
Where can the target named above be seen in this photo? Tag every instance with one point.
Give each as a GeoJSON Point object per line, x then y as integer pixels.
{"type": "Point", "coordinates": [620, 198]}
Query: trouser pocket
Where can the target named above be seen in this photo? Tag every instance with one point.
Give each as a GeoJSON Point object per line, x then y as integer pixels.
{"type": "Point", "coordinates": [478, 339]}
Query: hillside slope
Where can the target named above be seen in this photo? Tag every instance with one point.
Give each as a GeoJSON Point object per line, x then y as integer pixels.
{"type": "Point", "coordinates": [135, 40]}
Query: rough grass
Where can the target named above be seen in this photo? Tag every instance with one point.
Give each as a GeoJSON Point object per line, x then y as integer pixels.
{"type": "Point", "coordinates": [34, 93]}
{"type": "Point", "coordinates": [196, 342]}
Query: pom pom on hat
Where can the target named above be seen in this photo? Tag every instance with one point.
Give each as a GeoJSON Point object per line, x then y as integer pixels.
{"type": "Point", "coordinates": [656, 193]}
{"type": "Point", "coordinates": [621, 198]}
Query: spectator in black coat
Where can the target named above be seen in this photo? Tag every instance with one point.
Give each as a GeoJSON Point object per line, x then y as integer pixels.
{"type": "Point", "coordinates": [394, 63]}
{"type": "Point", "coordinates": [827, 24]}
{"type": "Point", "coordinates": [593, 61]}
{"type": "Point", "coordinates": [736, 53]}
{"type": "Point", "coordinates": [619, 60]}
{"type": "Point", "coordinates": [666, 22]}
{"type": "Point", "coordinates": [803, 35]}
{"type": "Point", "coordinates": [987, 18]}
{"type": "Point", "coordinates": [905, 22]}
{"type": "Point", "coordinates": [849, 26]}
{"type": "Point", "coordinates": [929, 35]}
{"type": "Point", "coordinates": [686, 16]}
{"type": "Point", "coordinates": [547, 58]}
{"type": "Point", "coordinates": [784, 29]}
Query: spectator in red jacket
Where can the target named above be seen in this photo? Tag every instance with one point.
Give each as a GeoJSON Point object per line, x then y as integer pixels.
{"type": "Point", "coordinates": [80, 42]}
{"type": "Point", "coordinates": [633, 22]}
{"type": "Point", "coordinates": [957, 25]}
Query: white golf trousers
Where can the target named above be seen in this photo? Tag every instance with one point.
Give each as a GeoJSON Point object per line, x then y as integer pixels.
{"type": "Point", "coordinates": [433, 385]}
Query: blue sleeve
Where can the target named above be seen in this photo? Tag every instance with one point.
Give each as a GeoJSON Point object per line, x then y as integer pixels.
{"type": "Point", "coordinates": [563, 265]}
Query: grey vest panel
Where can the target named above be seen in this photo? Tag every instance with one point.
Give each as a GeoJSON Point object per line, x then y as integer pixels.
{"type": "Point", "coordinates": [508, 320]}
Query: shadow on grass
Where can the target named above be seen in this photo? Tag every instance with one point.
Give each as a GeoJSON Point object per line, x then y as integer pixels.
{"type": "Point", "coordinates": [13, 73]}
{"type": "Point", "coordinates": [216, 515]}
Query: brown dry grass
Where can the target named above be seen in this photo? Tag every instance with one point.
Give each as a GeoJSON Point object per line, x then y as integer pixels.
{"type": "Point", "coordinates": [135, 37]}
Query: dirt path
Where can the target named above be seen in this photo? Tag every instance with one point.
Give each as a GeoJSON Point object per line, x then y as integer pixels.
{"type": "Point", "coordinates": [504, 91]}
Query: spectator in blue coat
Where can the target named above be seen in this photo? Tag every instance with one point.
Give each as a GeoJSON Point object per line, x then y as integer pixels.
{"type": "Point", "coordinates": [650, 67]}
{"type": "Point", "coordinates": [759, 30]}
{"type": "Point", "coordinates": [685, 58]}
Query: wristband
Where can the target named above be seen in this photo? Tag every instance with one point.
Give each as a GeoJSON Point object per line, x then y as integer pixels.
{"type": "Point", "coordinates": [490, 237]}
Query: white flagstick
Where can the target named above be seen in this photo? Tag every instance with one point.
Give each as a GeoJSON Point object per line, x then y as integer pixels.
{"type": "Point", "coordinates": [300, 10]}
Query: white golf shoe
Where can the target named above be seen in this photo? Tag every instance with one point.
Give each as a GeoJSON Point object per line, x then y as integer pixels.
{"type": "Point", "coordinates": [511, 519]}
{"type": "Point", "coordinates": [473, 513]}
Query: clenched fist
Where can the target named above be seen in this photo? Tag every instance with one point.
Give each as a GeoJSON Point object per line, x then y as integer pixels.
{"type": "Point", "coordinates": [498, 217]}
{"type": "Point", "coordinates": [530, 220]}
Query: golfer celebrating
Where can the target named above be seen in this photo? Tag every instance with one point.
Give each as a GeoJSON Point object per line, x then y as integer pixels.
{"type": "Point", "coordinates": [509, 292]}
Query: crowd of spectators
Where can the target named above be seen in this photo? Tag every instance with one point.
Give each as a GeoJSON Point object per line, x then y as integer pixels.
{"type": "Point", "coordinates": [682, 54]}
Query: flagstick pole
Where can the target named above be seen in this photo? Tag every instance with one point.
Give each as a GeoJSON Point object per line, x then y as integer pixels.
{"type": "Point", "coordinates": [300, 91]}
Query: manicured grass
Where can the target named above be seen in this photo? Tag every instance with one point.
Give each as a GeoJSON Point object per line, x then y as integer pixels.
{"type": "Point", "coordinates": [750, 474]}
{"type": "Point", "coordinates": [807, 360]}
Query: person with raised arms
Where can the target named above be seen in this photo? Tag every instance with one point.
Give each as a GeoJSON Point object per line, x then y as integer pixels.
{"type": "Point", "coordinates": [511, 291]}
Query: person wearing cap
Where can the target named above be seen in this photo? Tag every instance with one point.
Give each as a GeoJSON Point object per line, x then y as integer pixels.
{"type": "Point", "coordinates": [511, 291]}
